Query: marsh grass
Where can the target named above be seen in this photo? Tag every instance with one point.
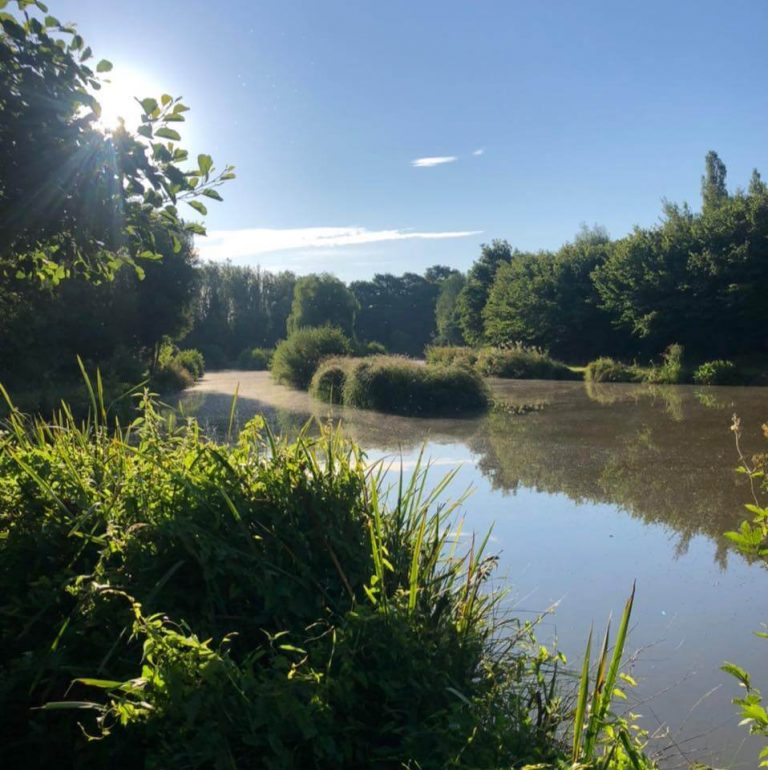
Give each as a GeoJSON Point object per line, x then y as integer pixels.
{"type": "Point", "coordinates": [255, 604]}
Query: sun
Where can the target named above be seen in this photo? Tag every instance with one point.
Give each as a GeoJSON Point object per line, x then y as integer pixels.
{"type": "Point", "coordinates": [118, 97]}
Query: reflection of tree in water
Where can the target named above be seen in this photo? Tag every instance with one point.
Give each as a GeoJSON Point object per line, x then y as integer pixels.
{"type": "Point", "coordinates": [660, 453]}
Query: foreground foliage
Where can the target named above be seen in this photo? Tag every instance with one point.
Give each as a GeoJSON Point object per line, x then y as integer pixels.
{"type": "Point", "coordinates": [752, 539]}
{"type": "Point", "coordinates": [260, 604]}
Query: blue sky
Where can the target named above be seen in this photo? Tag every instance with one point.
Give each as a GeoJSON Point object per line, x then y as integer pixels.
{"type": "Point", "coordinates": [557, 112]}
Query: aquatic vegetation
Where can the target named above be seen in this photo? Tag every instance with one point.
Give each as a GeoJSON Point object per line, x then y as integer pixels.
{"type": "Point", "coordinates": [717, 372]}
{"type": "Point", "coordinates": [401, 386]}
{"type": "Point", "coordinates": [522, 363]}
{"type": "Point", "coordinates": [451, 355]}
{"type": "Point", "coordinates": [607, 369]}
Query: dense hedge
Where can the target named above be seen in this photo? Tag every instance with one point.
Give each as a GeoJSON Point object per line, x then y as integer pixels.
{"type": "Point", "coordinates": [255, 359]}
{"type": "Point", "coordinates": [608, 370]}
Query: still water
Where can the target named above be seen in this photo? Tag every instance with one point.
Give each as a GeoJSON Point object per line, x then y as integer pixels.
{"type": "Point", "coordinates": [593, 488]}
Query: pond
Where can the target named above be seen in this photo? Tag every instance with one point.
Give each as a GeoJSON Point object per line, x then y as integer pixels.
{"type": "Point", "coordinates": [589, 489]}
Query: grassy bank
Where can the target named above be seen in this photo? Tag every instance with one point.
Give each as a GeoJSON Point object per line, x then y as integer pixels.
{"type": "Point", "coordinates": [254, 605]}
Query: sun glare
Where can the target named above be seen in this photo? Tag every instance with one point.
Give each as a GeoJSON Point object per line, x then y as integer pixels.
{"type": "Point", "coordinates": [118, 97]}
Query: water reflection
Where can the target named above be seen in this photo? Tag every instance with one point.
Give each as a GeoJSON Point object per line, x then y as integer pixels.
{"type": "Point", "coordinates": [663, 454]}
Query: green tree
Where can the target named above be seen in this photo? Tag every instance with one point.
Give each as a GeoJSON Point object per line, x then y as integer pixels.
{"type": "Point", "coordinates": [713, 190]}
{"type": "Point", "coordinates": [474, 295]}
{"type": "Point", "coordinates": [74, 199]}
{"type": "Point", "coordinates": [549, 299]}
{"type": "Point", "coordinates": [399, 311]}
{"type": "Point", "coordinates": [320, 300]}
{"type": "Point", "coordinates": [447, 311]}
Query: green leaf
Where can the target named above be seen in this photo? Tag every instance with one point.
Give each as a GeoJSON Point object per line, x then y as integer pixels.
{"type": "Point", "coordinates": [104, 66]}
{"type": "Point", "coordinates": [166, 99]}
{"type": "Point", "coordinates": [210, 193]}
{"type": "Point", "coordinates": [205, 164]}
{"type": "Point", "coordinates": [199, 207]}
{"type": "Point", "coordinates": [77, 42]}
{"type": "Point", "coordinates": [149, 105]}
{"type": "Point", "coordinates": [168, 133]}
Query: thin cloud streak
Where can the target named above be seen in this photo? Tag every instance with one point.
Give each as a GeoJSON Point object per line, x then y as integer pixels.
{"type": "Point", "coordinates": [478, 152]}
{"type": "Point", "coordinates": [437, 160]}
{"type": "Point", "coordinates": [220, 245]}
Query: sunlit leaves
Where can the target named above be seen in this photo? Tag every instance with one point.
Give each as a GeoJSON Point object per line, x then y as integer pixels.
{"type": "Point", "coordinates": [81, 222]}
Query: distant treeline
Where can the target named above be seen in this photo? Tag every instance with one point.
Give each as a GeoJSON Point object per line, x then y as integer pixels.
{"type": "Point", "coordinates": [698, 279]}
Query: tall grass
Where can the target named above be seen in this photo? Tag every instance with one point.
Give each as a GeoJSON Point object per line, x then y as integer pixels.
{"type": "Point", "coordinates": [259, 604]}
{"type": "Point", "coordinates": [523, 363]}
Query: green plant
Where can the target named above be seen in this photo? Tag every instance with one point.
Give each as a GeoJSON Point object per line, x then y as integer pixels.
{"type": "Point", "coordinates": [255, 359]}
{"type": "Point", "coordinates": [671, 371]}
{"type": "Point", "coordinates": [120, 187]}
{"type": "Point", "coordinates": [522, 362]}
{"type": "Point", "coordinates": [296, 358]}
{"type": "Point", "coordinates": [601, 739]}
{"type": "Point", "coordinates": [450, 355]}
{"type": "Point", "coordinates": [192, 360]}
{"type": "Point", "coordinates": [330, 378]}
{"type": "Point", "coordinates": [402, 386]}
{"type": "Point", "coordinates": [253, 604]}
{"type": "Point", "coordinates": [752, 540]}
{"type": "Point", "coordinates": [717, 372]}
{"type": "Point", "coordinates": [608, 370]}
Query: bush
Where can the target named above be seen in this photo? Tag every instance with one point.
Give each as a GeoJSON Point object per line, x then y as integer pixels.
{"type": "Point", "coordinates": [192, 360]}
{"type": "Point", "coordinates": [671, 371]}
{"type": "Point", "coordinates": [402, 386]}
{"type": "Point", "coordinates": [171, 377]}
{"type": "Point", "coordinates": [450, 355]}
{"type": "Point", "coordinates": [717, 372]}
{"type": "Point", "coordinates": [296, 359]}
{"type": "Point", "coordinates": [255, 359]}
{"type": "Point", "coordinates": [363, 349]}
{"type": "Point", "coordinates": [522, 363]}
{"type": "Point", "coordinates": [261, 602]}
{"type": "Point", "coordinates": [330, 378]}
{"type": "Point", "coordinates": [607, 369]}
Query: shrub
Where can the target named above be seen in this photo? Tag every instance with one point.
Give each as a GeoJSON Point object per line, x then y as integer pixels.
{"type": "Point", "coordinates": [330, 378]}
{"type": "Point", "coordinates": [717, 372]}
{"type": "Point", "coordinates": [170, 377]}
{"type": "Point", "coordinates": [402, 386]}
{"type": "Point", "coordinates": [372, 348]}
{"type": "Point", "coordinates": [671, 370]}
{"type": "Point", "coordinates": [255, 359]}
{"type": "Point", "coordinates": [261, 602]}
{"type": "Point", "coordinates": [450, 355]}
{"type": "Point", "coordinates": [192, 360]}
{"type": "Point", "coordinates": [607, 369]}
{"type": "Point", "coordinates": [296, 358]}
{"type": "Point", "coordinates": [522, 363]}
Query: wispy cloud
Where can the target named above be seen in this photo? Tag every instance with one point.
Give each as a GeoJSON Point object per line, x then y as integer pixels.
{"type": "Point", "coordinates": [478, 152]}
{"type": "Point", "coordinates": [437, 160]}
{"type": "Point", "coordinates": [252, 242]}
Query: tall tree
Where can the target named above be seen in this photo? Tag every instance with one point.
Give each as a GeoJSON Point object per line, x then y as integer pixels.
{"type": "Point", "coordinates": [713, 190]}
{"type": "Point", "coordinates": [474, 295]}
{"type": "Point", "coordinates": [447, 311]}
{"type": "Point", "coordinates": [322, 299]}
